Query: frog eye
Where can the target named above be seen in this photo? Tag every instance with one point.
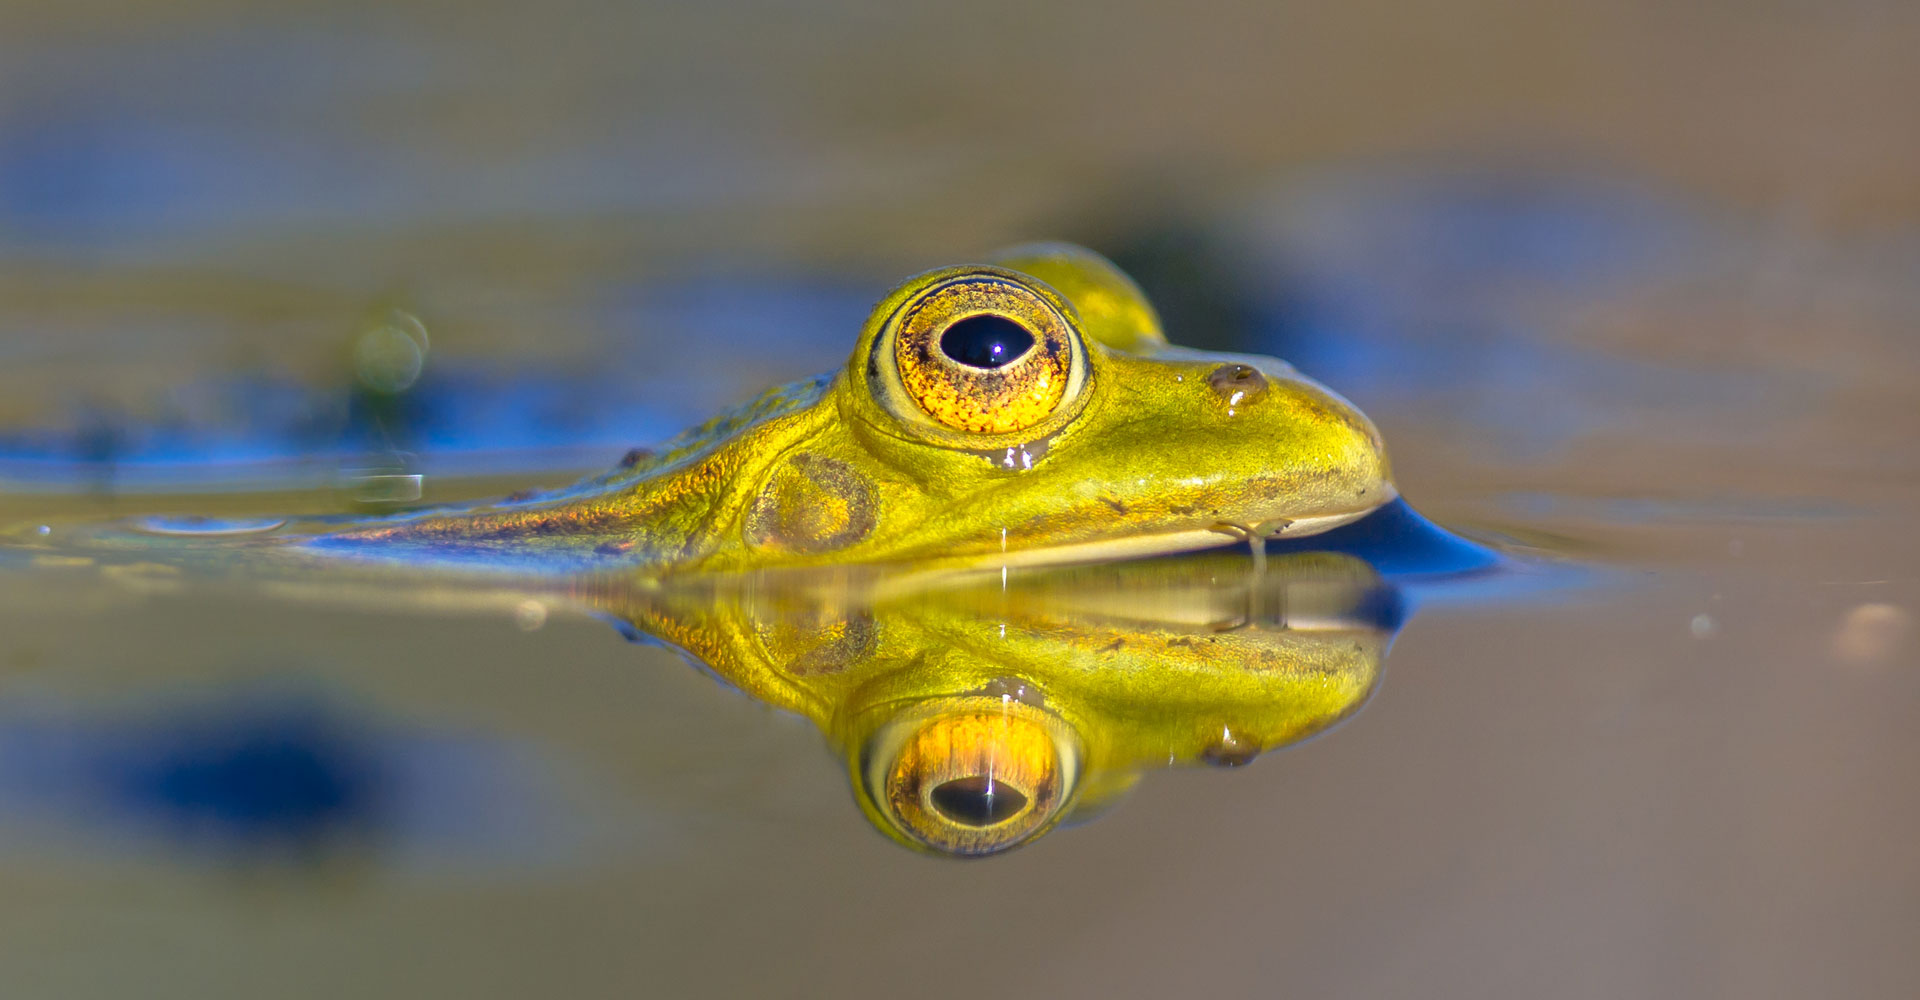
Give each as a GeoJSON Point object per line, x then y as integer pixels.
{"type": "Point", "coordinates": [986, 354]}
{"type": "Point", "coordinates": [971, 781]}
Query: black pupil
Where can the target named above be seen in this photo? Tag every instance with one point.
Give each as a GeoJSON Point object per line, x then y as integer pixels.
{"type": "Point", "coordinates": [985, 341]}
{"type": "Point", "coordinates": [977, 801]}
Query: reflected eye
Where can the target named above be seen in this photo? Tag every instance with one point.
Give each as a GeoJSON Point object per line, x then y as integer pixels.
{"type": "Point", "coordinates": [985, 354]}
{"type": "Point", "coordinates": [972, 780]}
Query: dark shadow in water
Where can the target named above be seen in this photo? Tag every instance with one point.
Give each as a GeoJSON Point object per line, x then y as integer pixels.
{"type": "Point", "coordinates": [251, 776]}
{"type": "Point", "coordinates": [278, 775]}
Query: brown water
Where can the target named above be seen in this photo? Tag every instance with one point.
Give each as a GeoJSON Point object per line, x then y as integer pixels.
{"type": "Point", "coordinates": [1628, 286]}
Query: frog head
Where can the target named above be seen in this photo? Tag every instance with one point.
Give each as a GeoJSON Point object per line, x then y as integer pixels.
{"type": "Point", "coordinates": [1024, 411]}
{"type": "Point", "coordinates": [1030, 410]}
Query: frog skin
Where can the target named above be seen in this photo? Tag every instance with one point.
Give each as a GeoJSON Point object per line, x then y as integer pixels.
{"type": "Point", "coordinates": [974, 716]}
{"type": "Point", "coordinates": [1068, 429]}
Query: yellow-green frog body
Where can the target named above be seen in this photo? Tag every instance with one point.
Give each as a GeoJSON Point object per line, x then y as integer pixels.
{"type": "Point", "coordinates": [1019, 412]}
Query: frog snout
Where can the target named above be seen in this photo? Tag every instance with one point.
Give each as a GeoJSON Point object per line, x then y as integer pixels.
{"type": "Point", "coordinates": [1300, 430]}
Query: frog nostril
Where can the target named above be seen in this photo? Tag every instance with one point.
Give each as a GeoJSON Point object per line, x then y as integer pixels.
{"type": "Point", "coordinates": [1237, 383]}
{"type": "Point", "coordinates": [977, 801]}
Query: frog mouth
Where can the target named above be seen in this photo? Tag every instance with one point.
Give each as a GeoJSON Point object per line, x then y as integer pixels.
{"type": "Point", "coordinates": [1254, 532]}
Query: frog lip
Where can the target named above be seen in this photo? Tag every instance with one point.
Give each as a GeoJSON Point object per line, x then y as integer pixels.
{"type": "Point", "coordinates": [1184, 539]}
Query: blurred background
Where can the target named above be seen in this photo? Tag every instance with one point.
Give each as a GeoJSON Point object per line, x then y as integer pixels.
{"type": "Point", "coordinates": [1636, 283]}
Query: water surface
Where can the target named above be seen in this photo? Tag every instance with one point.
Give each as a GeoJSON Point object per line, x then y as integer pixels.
{"type": "Point", "coordinates": [1684, 769]}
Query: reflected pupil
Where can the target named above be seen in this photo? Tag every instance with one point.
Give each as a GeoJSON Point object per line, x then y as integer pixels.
{"type": "Point", "coordinates": [977, 801]}
{"type": "Point", "coordinates": [985, 341]}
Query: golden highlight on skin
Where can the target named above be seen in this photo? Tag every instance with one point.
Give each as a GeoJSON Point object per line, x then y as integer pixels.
{"type": "Point", "coordinates": [1001, 400]}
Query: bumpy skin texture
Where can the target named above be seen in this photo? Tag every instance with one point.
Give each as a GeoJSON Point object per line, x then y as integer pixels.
{"type": "Point", "coordinates": [1154, 449]}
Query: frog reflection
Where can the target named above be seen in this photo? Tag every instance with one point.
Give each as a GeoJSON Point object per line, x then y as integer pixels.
{"type": "Point", "coordinates": [974, 718]}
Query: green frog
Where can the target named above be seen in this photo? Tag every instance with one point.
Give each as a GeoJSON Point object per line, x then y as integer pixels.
{"type": "Point", "coordinates": [977, 713]}
{"type": "Point", "coordinates": [1028, 410]}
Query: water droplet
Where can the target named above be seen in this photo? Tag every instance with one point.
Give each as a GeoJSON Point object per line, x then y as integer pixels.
{"type": "Point", "coordinates": [530, 615]}
{"type": "Point", "coordinates": [388, 357]}
{"type": "Point", "coordinates": [1703, 627]}
{"type": "Point", "coordinates": [1230, 750]}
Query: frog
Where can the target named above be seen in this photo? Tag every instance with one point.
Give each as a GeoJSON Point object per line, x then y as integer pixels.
{"type": "Point", "coordinates": [975, 714]}
{"type": "Point", "coordinates": [1026, 410]}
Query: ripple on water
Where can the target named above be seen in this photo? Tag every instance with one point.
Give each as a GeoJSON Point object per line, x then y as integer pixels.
{"type": "Point", "coordinates": [207, 526]}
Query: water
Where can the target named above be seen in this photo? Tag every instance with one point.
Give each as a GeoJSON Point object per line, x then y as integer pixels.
{"type": "Point", "coordinates": [1663, 366]}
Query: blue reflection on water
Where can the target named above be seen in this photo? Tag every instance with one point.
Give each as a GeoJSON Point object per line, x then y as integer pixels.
{"type": "Point", "coordinates": [1425, 564]}
{"type": "Point", "coordinates": [1398, 542]}
{"type": "Point", "coordinates": [278, 774]}
{"type": "Point", "coordinates": [464, 417]}
{"type": "Point", "coordinates": [464, 421]}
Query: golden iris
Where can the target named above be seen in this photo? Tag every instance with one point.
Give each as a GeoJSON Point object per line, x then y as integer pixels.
{"type": "Point", "coordinates": [985, 355]}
